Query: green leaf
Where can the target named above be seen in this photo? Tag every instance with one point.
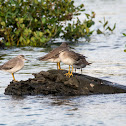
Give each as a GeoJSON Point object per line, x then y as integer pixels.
{"type": "Point", "coordinates": [19, 1]}
{"type": "Point", "coordinates": [87, 15]}
{"type": "Point", "coordinates": [36, 1]}
{"type": "Point", "coordinates": [99, 31]}
{"type": "Point", "coordinates": [22, 26]}
{"type": "Point", "coordinates": [109, 28]}
{"type": "Point", "coordinates": [3, 23]}
{"type": "Point", "coordinates": [125, 50]}
{"type": "Point", "coordinates": [43, 20]}
{"type": "Point", "coordinates": [124, 34]}
{"type": "Point", "coordinates": [40, 34]}
{"type": "Point", "coordinates": [82, 5]}
{"type": "Point", "coordinates": [82, 10]}
{"type": "Point", "coordinates": [35, 20]}
{"type": "Point", "coordinates": [21, 20]}
{"type": "Point", "coordinates": [104, 19]}
{"type": "Point", "coordinates": [33, 39]}
{"type": "Point", "coordinates": [105, 24]}
{"type": "Point", "coordinates": [28, 41]}
{"type": "Point", "coordinates": [114, 27]}
{"type": "Point", "coordinates": [100, 22]}
{"type": "Point", "coordinates": [7, 44]}
{"type": "Point", "coordinates": [21, 39]}
{"type": "Point", "coordinates": [43, 39]}
{"type": "Point", "coordinates": [87, 30]}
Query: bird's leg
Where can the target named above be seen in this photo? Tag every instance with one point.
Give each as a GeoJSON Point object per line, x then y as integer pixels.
{"type": "Point", "coordinates": [59, 66]}
{"type": "Point", "coordinates": [13, 77]}
{"type": "Point", "coordinates": [69, 74]}
{"type": "Point", "coordinates": [81, 70]}
{"type": "Point", "coordinates": [75, 70]}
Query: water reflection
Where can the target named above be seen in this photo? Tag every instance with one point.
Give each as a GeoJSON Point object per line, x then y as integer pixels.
{"type": "Point", "coordinates": [64, 110]}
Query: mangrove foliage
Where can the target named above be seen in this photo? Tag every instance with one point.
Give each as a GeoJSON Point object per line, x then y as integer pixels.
{"type": "Point", "coordinates": [36, 22]}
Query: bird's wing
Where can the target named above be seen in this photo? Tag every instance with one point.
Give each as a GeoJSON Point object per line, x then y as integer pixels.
{"type": "Point", "coordinates": [10, 64]}
{"type": "Point", "coordinates": [73, 55]}
{"type": "Point", "coordinates": [79, 58]}
{"type": "Point", "coordinates": [82, 60]}
{"type": "Point", "coordinates": [54, 53]}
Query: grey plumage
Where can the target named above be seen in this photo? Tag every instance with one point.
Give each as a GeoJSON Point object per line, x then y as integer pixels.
{"type": "Point", "coordinates": [81, 64]}
{"type": "Point", "coordinates": [10, 64]}
{"type": "Point", "coordinates": [72, 58]}
{"type": "Point", "coordinates": [53, 56]}
{"type": "Point", "coordinates": [75, 58]}
{"type": "Point", "coordinates": [55, 52]}
{"type": "Point", "coordinates": [13, 65]}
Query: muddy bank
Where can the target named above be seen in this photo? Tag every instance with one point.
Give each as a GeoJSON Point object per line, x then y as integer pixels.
{"type": "Point", "coordinates": [54, 82]}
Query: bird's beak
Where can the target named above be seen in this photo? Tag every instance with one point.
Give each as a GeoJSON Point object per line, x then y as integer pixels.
{"type": "Point", "coordinates": [26, 59]}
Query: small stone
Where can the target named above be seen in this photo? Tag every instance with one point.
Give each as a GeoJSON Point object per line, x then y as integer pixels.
{"type": "Point", "coordinates": [92, 85]}
{"type": "Point", "coordinates": [72, 82]}
{"type": "Point", "coordinates": [61, 78]}
{"type": "Point", "coordinates": [45, 74]}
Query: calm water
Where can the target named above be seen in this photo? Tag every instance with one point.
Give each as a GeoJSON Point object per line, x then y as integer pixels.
{"type": "Point", "coordinates": [108, 62]}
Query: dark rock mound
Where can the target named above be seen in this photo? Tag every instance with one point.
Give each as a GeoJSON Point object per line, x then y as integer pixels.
{"type": "Point", "coordinates": [56, 83]}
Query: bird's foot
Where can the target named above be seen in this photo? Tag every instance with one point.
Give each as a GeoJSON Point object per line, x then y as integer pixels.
{"type": "Point", "coordinates": [69, 74]}
{"type": "Point", "coordinates": [15, 81]}
{"type": "Point", "coordinates": [60, 69]}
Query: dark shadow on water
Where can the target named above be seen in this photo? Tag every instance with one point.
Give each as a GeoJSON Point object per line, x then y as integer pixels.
{"type": "Point", "coordinates": [2, 124]}
{"type": "Point", "coordinates": [14, 97]}
{"type": "Point", "coordinates": [63, 100]}
{"type": "Point", "coordinates": [2, 55]}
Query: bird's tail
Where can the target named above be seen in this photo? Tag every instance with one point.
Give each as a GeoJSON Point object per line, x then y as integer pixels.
{"type": "Point", "coordinates": [0, 67]}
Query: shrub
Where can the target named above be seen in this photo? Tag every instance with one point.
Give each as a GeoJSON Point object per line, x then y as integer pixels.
{"type": "Point", "coordinates": [35, 22]}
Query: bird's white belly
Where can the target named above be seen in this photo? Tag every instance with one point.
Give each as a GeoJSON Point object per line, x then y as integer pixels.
{"type": "Point", "coordinates": [15, 69]}
{"type": "Point", "coordinates": [66, 60]}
